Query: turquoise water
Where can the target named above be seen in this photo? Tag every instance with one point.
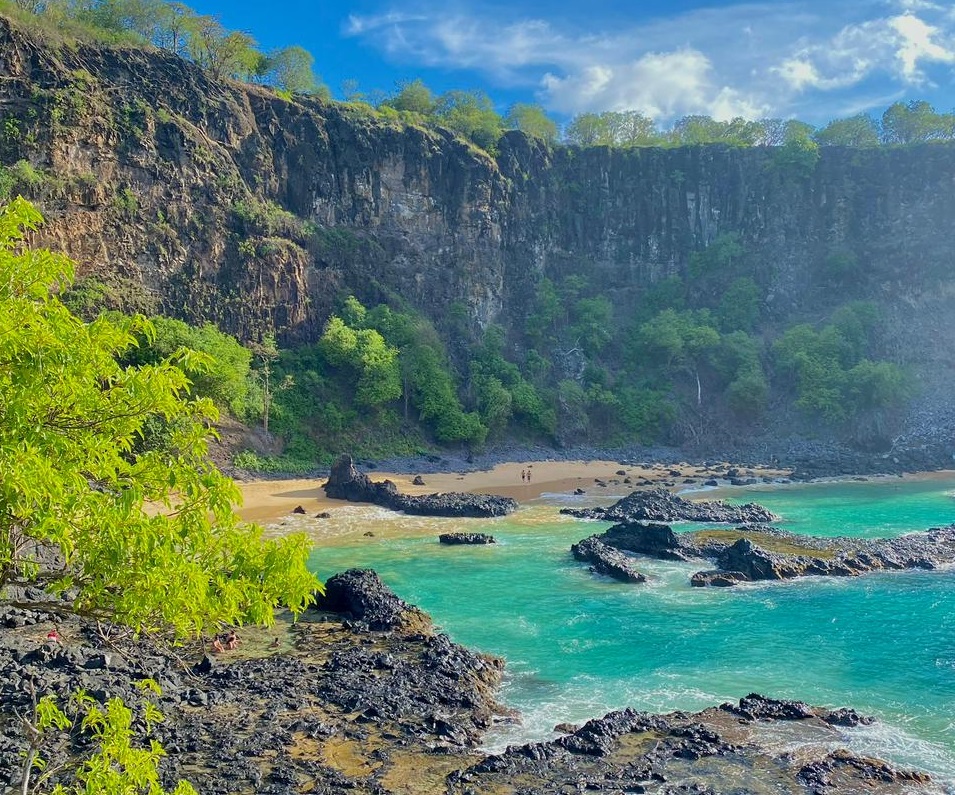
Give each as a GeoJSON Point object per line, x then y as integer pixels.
{"type": "Point", "coordinates": [577, 646]}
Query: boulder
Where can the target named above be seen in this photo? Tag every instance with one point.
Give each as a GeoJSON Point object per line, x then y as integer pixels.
{"type": "Point", "coordinates": [606, 560]}
{"type": "Point", "coordinates": [360, 595]}
{"type": "Point", "coordinates": [646, 538]}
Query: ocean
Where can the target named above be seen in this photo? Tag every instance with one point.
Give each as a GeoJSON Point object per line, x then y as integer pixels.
{"type": "Point", "coordinates": [579, 645]}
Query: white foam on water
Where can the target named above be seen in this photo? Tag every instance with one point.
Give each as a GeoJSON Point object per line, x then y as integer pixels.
{"type": "Point", "coordinates": [894, 743]}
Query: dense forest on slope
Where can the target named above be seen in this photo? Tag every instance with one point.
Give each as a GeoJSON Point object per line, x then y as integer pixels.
{"type": "Point", "coordinates": [380, 284]}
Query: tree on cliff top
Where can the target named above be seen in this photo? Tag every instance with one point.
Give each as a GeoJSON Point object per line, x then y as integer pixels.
{"type": "Point", "coordinates": [147, 539]}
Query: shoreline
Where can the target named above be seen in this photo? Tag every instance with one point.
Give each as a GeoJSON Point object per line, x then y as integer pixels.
{"type": "Point", "coordinates": [270, 500]}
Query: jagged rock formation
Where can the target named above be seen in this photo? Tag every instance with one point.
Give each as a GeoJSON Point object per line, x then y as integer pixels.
{"type": "Point", "coordinates": [756, 552]}
{"type": "Point", "coordinates": [745, 560]}
{"type": "Point", "coordinates": [345, 482]}
{"type": "Point", "coordinates": [728, 748]}
{"type": "Point", "coordinates": [336, 707]}
{"type": "Point", "coordinates": [361, 596]}
{"type": "Point", "coordinates": [604, 559]}
{"type": "Point", "coordinates": [660, 505]}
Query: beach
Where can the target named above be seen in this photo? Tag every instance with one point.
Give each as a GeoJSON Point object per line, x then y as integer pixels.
{"type": "Point", "coordinates": [269, 500]}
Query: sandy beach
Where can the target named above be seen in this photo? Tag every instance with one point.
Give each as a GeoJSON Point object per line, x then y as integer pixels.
{"type": "Point", "coordinates": [269, 500]}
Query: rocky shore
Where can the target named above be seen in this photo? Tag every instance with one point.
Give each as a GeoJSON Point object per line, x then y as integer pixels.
{"type": "Point", "coordinates": [759, 552]}
{"type": "Point", "coordinates": [731, 748]}
{"type": "Point", "coordinates": [363, 696]}
{"type": "Point", "coordinates": [345, 482]}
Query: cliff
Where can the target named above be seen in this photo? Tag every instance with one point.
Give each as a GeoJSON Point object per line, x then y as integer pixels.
{"type": "Point", "coordinates": [221, 201]}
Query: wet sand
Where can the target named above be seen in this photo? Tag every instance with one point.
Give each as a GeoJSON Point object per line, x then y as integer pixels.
{"type": "Point", "coordinates": [267, 501]}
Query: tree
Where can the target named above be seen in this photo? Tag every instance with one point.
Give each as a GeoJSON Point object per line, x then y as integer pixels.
{"type": "Point", "coordinates": [591, 328]}
{"type": "Point", "coordinates": [860, 131]}
{"type": "Point", "coordinates": [74, 494]}
{"type": "Point", "coordinates": [267, 353]}
{"type": "Point", "coordinates": [290, 69]}
{"type": "Point", "coordinates": [697, 130]}
{"type": "Point", "coordinates": [533, 121]}
{"type": "Point", "coordinates": [225, 380]}
{"type": "Point", "coordinates": [224, 53]}
{"type": "Point", "coordinates": [471, 114]}
{"type": "Point", "coordinates": [916, 122]}
{"type": "Point", "coordinates": [614, 128]}
{"type": "Point", "coordinates": [178, 25]}
{"type": "Point", "coordinates": [413, 97]}
{"type": "Point", "coordinates": [739, 307]}
{"type": "Point", "coordinates": [679, 341]}
{"type": "Point", "coordinates": [364, 353]}
{"type": "Point", "coordinates": [587, 129]}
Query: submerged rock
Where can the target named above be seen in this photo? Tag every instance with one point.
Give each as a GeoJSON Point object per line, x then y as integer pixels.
{"type": "Point", "coordinates": [466, 538]}
{"type": "Point", "coordinates": [346, 482]}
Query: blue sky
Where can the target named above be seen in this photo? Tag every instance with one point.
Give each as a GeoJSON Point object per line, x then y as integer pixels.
{"type": "Point", "coordinates": [809, 59]}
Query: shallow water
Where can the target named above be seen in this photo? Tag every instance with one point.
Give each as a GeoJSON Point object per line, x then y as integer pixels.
{"type": "Point", "coordinates": [578, 645]}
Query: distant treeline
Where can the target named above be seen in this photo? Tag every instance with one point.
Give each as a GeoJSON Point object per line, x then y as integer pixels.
{"type": "Point", "coordinates": [234, 54]}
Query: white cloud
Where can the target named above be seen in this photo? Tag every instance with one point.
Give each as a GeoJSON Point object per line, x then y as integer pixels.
{"type": "Point", "coordinates": [359, 25]}
{"type": "Point", "coordinates": [745, 59]}
{"type": "Point", "coordinates": [918, 42]}
{"type": "Point", "coordinates": [896, 46]}
{"type": "Point", "coordinates": [661, 85]}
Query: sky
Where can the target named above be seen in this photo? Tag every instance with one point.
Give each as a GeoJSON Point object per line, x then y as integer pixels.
{"type": "Point", "coordinates": [809, 59]}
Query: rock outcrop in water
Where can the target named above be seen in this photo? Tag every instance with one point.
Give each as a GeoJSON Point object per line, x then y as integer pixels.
{"type": "Point", "coordinates": [720, 750]}
{"type": "Point", "coordinates": [604, 559]}
{"type": "Point", "coordinates": [660, 505]}
{"type": "Point", "coordinates": [753, 557]}
{"type": "Point", "coordinates": [346, 482]}
{"type": "Point", "coordinates": [360, 596]}
{"type": "Point", "coordinates": [757, 552]}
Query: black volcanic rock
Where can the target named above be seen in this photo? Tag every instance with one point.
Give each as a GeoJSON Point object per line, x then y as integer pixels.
{"type": "Point", "coordinates": [454, 504]}
{"type": "Point", "coordinates": [719, 750]}
{"type": "Point", "coordinates": [466, 538]}
{"type": "Point", "coordinates": [361, 596]}
{"type": "Point", "coordinates": [745, 559]}
{"type": "Point", "coordinates": [659, 505]}
{"type": "Point", "coordinates": [757, 707]}
{"type": "Point", "coordinates": [346, 482]}
{"type": "Point", "coordinates": [645, 538]}
{"type": "Point", "coordinates": [759, 552]}
{"type": "Point", "coordinates": [606, 560]}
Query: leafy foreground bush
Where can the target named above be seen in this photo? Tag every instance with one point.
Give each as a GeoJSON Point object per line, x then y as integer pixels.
{"type": "Point", "coordinates": [146, 539]}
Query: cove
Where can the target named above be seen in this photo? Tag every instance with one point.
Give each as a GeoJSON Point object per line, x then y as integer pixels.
{"type": "Point", "coordinates": [577, 645]}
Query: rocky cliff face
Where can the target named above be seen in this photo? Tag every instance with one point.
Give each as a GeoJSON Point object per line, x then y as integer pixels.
{"type": "Point", "coordinates": [223, 201]}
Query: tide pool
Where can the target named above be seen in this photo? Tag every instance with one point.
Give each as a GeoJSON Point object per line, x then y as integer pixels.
{"type": "Point", "coordinates": [578, 646]}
